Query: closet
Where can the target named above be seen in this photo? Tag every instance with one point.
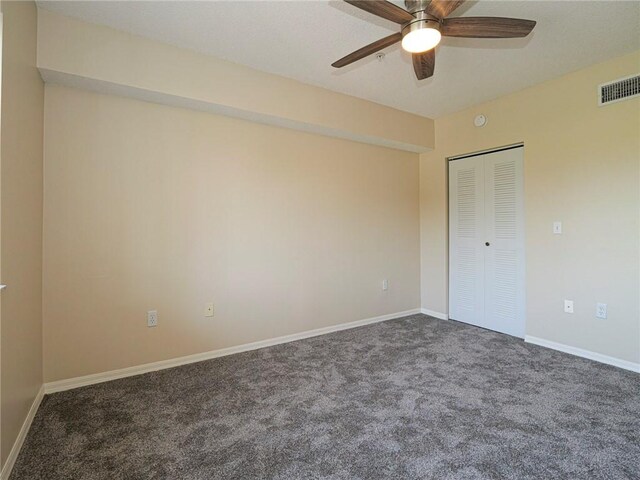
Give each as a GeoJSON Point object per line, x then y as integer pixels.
{"type": "Point", "coordinates": [486, 240]}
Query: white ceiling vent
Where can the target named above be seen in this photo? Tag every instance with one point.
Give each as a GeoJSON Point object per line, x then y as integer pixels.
{"type": "Point", "coordinates": [618, 90]}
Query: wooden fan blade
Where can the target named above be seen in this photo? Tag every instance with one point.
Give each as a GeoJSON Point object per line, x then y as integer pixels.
{"type": "Point", "coordinates": [383, 9]}
{"type": "Point", "coordinates": [443, 8]}
{"type": "Point", "coordinates": [368, 50]}
{"type": "Point", "coordinates": [486, 27]}
{"type": "Point", "coordinates": [424, 63]}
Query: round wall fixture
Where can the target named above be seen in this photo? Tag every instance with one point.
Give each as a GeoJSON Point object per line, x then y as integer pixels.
{"type": "Point", "coordinates": [480, 121]}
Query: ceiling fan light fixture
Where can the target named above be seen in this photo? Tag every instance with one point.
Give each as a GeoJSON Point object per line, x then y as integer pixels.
{"type": "Point", "coordinates": [422, 34]}
{"type": "Point", "coordinates": [419, 41]}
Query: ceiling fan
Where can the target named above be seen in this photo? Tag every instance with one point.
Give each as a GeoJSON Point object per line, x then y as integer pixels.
{"type": "Point", "coordinates": [424, 24]}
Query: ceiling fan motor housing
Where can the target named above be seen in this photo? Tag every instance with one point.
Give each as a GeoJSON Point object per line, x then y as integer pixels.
{"type": "Point", "coordinates": [418, 8]}
{"type": "Point", "coordinates": [416, 5]}
{"type": "Point", "coordinates": [422, 20]}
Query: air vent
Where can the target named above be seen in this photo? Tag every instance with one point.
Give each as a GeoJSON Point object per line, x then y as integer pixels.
{"type": "Point", "coordinates": [622, 89]}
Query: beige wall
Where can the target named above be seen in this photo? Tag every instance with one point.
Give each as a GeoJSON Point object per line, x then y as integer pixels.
{"type": "Point", "coordinates": [97, 57]}
{"type": "Point", "coordinates": [21, 220]}
{"type": "Point", "coordinates": [154, 207]}
{"type": "Point", "coordinates": [582, 167]}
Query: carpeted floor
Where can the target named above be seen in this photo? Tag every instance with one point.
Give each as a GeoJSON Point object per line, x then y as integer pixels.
{"type": "Point", "coordinates": [410, 398]}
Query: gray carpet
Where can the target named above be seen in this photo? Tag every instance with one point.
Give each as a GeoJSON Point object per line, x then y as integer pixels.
{"type": "Point", "coordinates": [409, 398]}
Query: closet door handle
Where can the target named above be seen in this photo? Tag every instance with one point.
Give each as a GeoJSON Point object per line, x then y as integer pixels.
{"type": "Point", "coordinates": [487, 243]}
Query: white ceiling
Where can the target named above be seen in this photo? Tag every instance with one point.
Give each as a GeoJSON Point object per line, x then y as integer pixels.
{"type": "Point", "coordinates": [300, 39]}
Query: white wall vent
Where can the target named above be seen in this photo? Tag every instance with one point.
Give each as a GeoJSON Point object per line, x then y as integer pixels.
{"type": "Point", "coordinates": [618, 90]}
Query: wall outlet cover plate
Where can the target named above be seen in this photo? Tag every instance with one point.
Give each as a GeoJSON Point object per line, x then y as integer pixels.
{"type": "Point", "coordinates": [152, 318]}
{"type": "Point", "coordinates": [568, 306]}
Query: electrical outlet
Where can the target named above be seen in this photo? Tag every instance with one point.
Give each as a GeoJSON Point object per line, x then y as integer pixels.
{"type": "Point", "coordinates": [208, 310]}
{"type": "Point", "coordinates": [152, 318]}
{"type": "Point", "coordinates": [568, 306]}
{"type": "Point", "coordinates": [385, 284]}
{"type": "Point", "coordinates": [601, 310]}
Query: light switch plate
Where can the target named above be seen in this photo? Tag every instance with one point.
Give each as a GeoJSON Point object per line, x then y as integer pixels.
{"type": "Point", "coordinates": [557, 228]}
{"type": "Point", "coordinates": [208, 310]}
{"type": "Point", "coordinates": [601, 310]}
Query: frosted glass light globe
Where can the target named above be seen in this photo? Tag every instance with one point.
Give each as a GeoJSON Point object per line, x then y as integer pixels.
{"type": "Point", "coordinates": [421, 40]}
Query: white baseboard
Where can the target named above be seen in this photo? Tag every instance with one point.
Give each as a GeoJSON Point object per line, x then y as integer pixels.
{"type": "Point", "coordinates": [68, 384]}
{"type": "Point", "coordinates": [17, 445]}
{"type": "Point", "coordinates": [431, 313]}
{"type": "Point", "coordinates": [579, 352]}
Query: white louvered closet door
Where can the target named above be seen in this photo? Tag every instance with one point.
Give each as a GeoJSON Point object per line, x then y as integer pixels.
{"type": "Point", "coordinates": [466, 233]}
{"type": "Point", "coordinates": [486, 252]}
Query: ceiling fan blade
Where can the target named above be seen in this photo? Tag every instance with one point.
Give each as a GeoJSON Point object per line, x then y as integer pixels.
{"type": "Point", "coordinates": [486, 27]}
{"type": "Point", "coordinates": [443, 8]}
{"type": "Point", "coordinates": [383, 9]}
{"type": "Point", "coordinates": [424, 63]}
{"type": "Point", "coordinates": [368, 50]}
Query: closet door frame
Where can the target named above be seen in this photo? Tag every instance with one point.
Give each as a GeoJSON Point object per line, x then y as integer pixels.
{"type": "Point", "coordinates": [521, 228]}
